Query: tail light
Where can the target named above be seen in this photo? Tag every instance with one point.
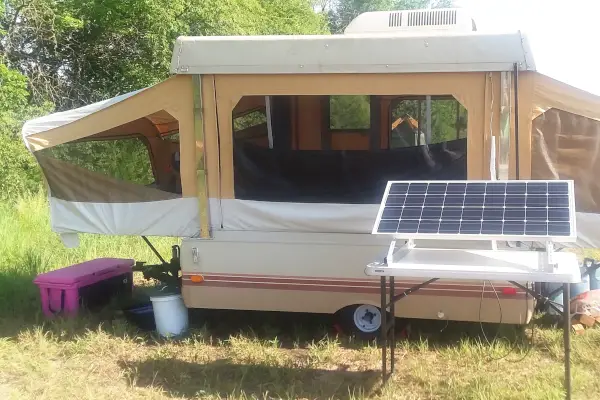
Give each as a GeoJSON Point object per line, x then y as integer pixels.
{"type": "Point", "coordinates": [509, 291]}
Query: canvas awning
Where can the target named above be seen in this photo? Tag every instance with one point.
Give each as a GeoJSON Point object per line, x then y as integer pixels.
{"type": "Point", "coordinates": [160, 106]}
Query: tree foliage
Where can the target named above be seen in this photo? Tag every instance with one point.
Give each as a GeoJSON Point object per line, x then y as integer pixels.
{"type": "Point", "coordinates": [125, 159]}
{"type": "Point", "coordinates": [19, 172]}
{"type": "Point", "coordinates": [350, 112]}
{"type": "Point", "coordinates": [79, 51]}
{"type": "Point", "coordinates": [13, 89]}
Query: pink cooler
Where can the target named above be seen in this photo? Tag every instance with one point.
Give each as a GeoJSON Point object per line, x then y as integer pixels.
{"type": "Point", "coordinates": [64, 289]}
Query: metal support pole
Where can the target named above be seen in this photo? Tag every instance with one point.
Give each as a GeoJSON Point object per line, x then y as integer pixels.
{"type": "Point", "coordinates": [419, 126]}
{"type": "Point", "coordinates": [567, 338]}
{"type": "Point", "coordinates": [516, 86]}
{"type": "Point", "coordinates": [201, 173]}
{"type": "Point", "coordinates": [457, 120]}
{"type": "Point", "coordinates": [269, 121]}
{"type": "Point", "coordinates": [383, 329]}
{"type": "Point", "coordinates": [392, 329]}
{"type": "Point", "coordinates": [162, 260]}
{"type": "Point", "coordinates": [428, 121]}
{"type": "Point", "coordinates": [539, 297]}
{"type": "Point", "coordinates": [413, 289]}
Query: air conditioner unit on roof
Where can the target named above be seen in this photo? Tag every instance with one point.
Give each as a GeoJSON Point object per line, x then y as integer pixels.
{"type": "Point", "coordinates": [410, 21]}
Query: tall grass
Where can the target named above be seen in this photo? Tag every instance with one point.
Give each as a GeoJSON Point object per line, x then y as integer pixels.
{"type": "Point", "coordinates": [29, 247]}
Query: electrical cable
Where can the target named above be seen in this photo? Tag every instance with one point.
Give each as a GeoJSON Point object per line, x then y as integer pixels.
{"type": "Point", "coordinates": [532, 323]}
{"type": "Point", "coordinates": [499, 308]}
{"type": "Point", "coordinates": [515, 342]}
{"type": "Point", "coordinates": [445, 326]}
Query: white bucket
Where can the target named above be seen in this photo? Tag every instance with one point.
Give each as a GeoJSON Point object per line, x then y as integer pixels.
{"type": "Point", "coordinates": [170, 315]}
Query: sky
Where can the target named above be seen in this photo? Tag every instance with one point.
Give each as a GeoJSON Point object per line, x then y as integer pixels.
{"type": "Point", "coordinates": [564, 35]}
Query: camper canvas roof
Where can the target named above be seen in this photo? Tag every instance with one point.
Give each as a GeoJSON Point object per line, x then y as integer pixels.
{"type": "Point", "coordinates": [375, 42]}
{"type": "Point", "coordinates": [420, 51]}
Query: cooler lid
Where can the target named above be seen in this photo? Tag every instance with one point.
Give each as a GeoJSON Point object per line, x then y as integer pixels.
{"type": "Point", "coordinates": [75, 273]}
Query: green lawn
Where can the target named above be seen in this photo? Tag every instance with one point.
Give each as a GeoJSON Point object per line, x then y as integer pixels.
{"type": "Point", "coordinates": [249, 355]}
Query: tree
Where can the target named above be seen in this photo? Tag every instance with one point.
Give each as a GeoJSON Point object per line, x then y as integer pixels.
{"type": "Point", "coordinates": [14, 97]}
{"type": "Point", "coordinates": [19, 173]}
{"type": "Point", "coordinates": [350, 112]}
{"type": "Point", "coordinates": [78, 51]}
{"type": "Point", "coordinates": [13, 90]}
{"type": "Point", "coordinates": [346, 10]}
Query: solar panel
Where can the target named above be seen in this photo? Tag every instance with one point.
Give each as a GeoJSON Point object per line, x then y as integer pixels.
{"type": "Point", "coordinates": [537, 210]}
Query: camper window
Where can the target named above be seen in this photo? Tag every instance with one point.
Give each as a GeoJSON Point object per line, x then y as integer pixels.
{"type": "Point", "coordinates": [347, 113]}
{"type": "Point", "coordinates": [124, 159]}
{"type": "Point", "coordinates": [567, 146]}
{"type": "Point", "coordinates": [300, 158]}
{"type": "Point", "coordinates": [134, 162]}
{"type": "Point", "coordinates": [251, 127]}
{"type": "Point", "coordinates": [173, 137]}
{"type": "Point", "coordinates": [425, 120]}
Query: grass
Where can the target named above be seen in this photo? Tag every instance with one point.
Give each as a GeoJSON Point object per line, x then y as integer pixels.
{"type": "Point", "coordinates": [241, 355]}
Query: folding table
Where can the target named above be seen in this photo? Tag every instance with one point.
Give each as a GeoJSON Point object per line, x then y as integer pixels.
{"type": "Point", "coordinates": [475, 210]}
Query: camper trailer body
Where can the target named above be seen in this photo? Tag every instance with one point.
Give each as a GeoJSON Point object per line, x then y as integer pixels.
{"type": "Point", "coordinates": [310, 256]}
{"type": "Point", "coordinates": [284, 145]}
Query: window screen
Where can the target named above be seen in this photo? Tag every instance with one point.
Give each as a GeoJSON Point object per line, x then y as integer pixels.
{"type": "Point", "coordinates": [420, 120]}
{"type": "Point", "coordinates": [349, 112]}
{"type": "Point", "coordinates": [567, 146]}
{"type": "Point", "coordinates": [123, 159]}
{"type": "Point", "coordinates": [300, 167]}
{"type": "Point", "coordinates": [251, 127]}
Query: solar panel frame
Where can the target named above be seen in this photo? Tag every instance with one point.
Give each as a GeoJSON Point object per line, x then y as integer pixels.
{"type": "Point", "coordinates": [417, 189]}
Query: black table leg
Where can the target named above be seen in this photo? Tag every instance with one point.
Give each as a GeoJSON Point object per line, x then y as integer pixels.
{"type": "Point", "coordinates": [567, 337]}
{"type": "Point", "coordinates": [383, 309]}
{"type": "Point", "coordinates": [392, 328]}
{"type": "Point", "coordinates": [388, 328]}
{"type": "Point", "coordinates": [566, 313]}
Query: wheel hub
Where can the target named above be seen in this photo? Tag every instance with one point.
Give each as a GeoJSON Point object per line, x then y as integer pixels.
{"type": "Point", "coordinates": [367, 318]}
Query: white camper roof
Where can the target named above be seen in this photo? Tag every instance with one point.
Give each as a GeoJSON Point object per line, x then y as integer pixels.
{"type": "Point", "coordinates": [418, 51]}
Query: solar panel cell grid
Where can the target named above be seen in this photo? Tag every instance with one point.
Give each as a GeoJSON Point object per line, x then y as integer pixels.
{"type": "Point", "coordinates": [478, 208]}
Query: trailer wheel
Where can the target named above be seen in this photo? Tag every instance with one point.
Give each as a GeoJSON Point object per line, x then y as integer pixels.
{"type": "Point", "coordinates": [362, 320]}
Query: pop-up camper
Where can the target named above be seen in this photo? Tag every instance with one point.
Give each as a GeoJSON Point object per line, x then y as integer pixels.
{"type": "Point", "coordinates": [269, 156]}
